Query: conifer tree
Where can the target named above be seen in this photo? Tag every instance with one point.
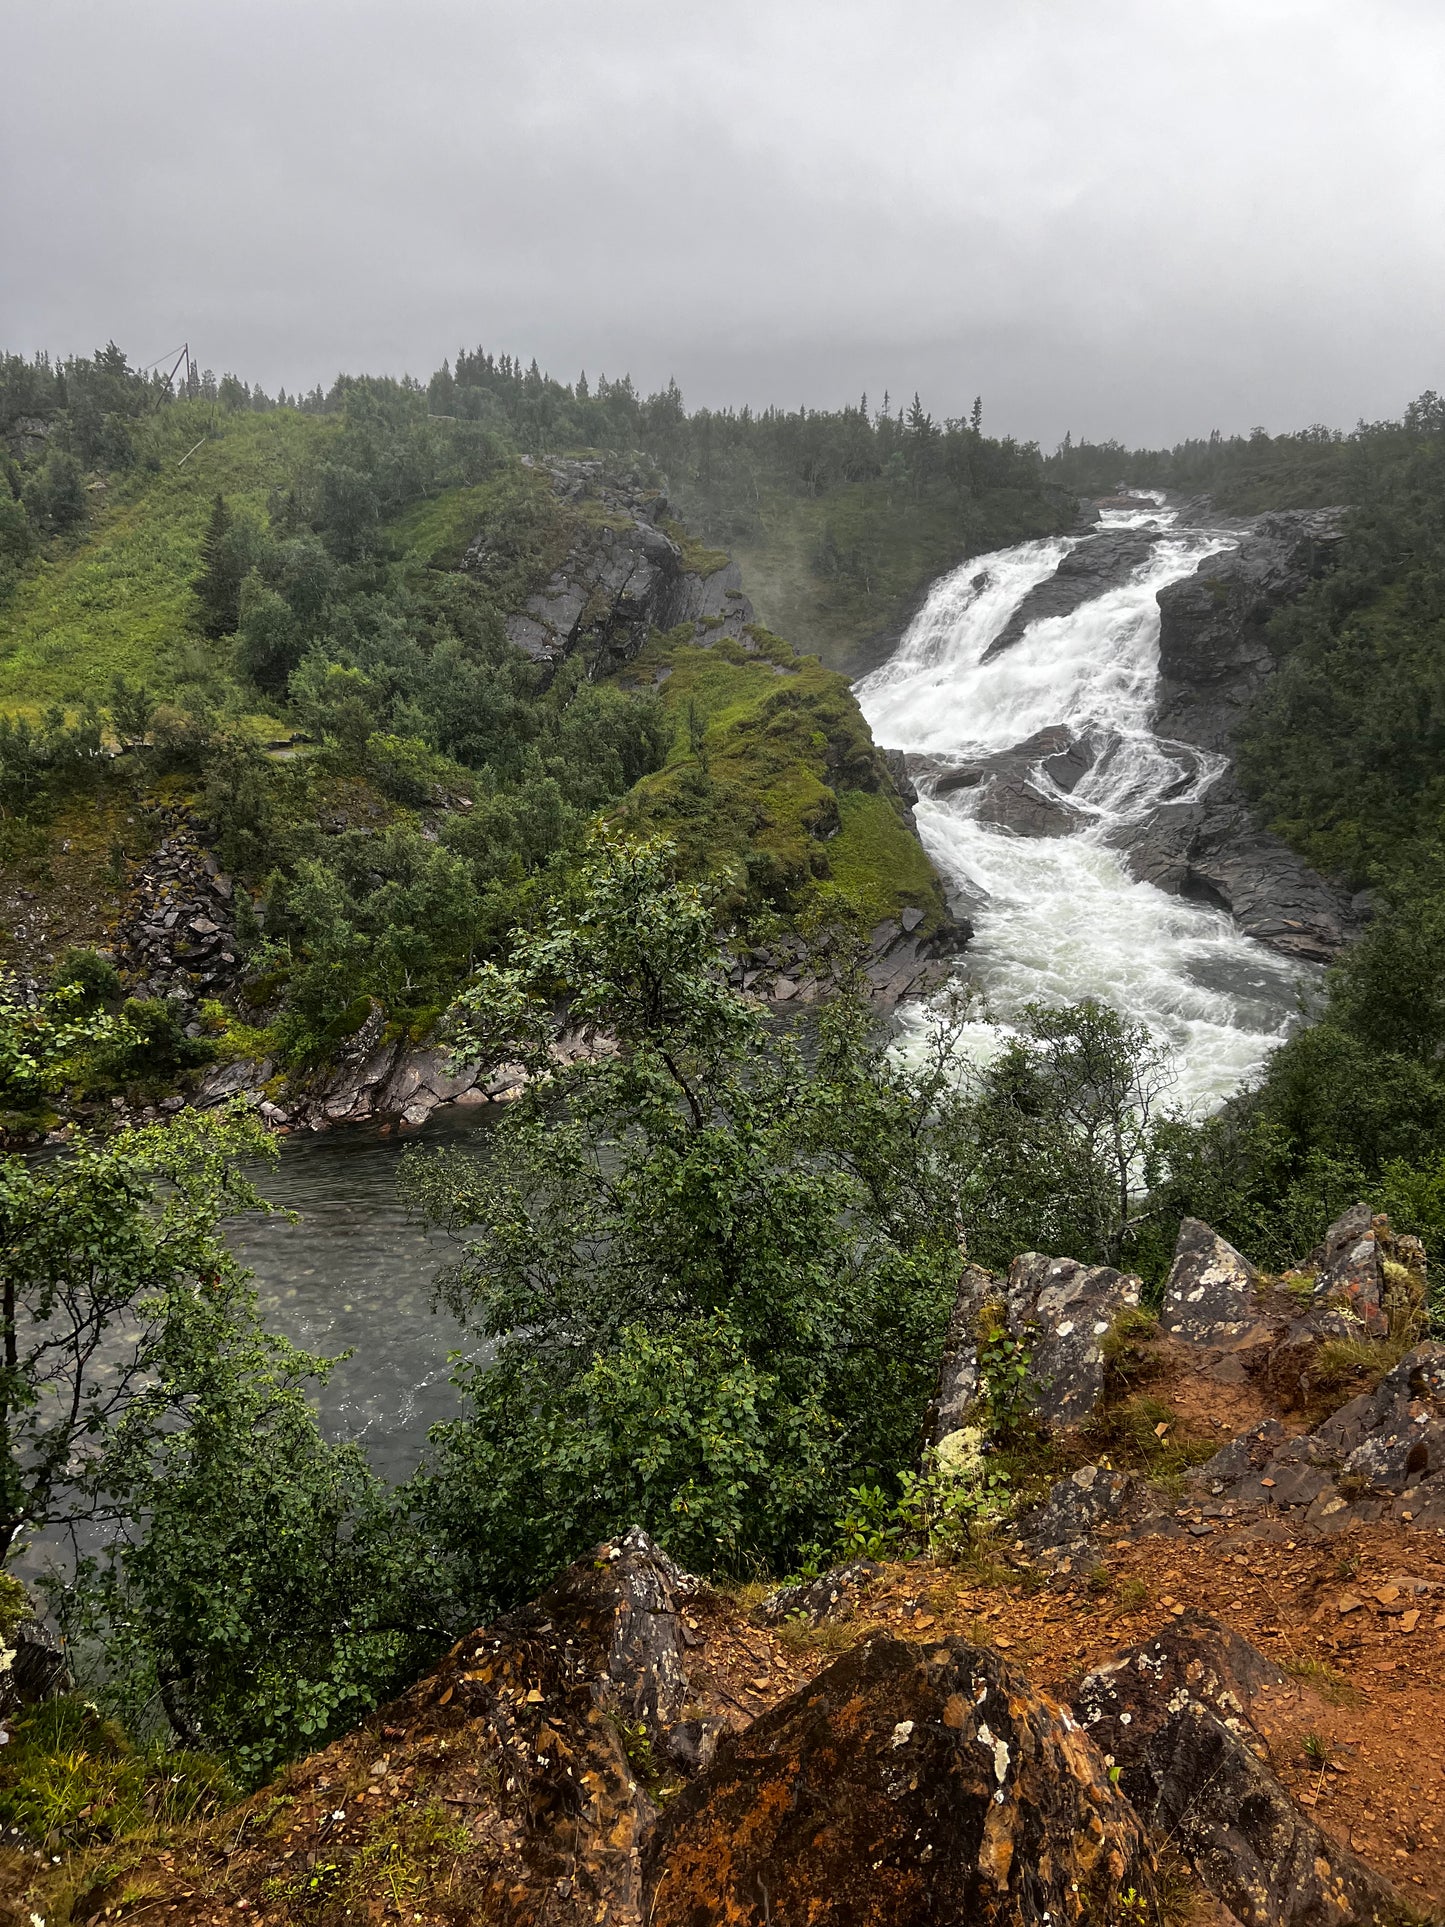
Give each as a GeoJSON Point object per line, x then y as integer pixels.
{"type": "Point", "coordinates": [218, 586]}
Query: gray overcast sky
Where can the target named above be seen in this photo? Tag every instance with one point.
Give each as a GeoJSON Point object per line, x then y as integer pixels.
{"type": "Point", "coordinates": [1134, 217]}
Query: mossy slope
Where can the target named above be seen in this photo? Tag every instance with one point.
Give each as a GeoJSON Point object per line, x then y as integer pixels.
{"type": "Point", "coordinates": [118, 601]}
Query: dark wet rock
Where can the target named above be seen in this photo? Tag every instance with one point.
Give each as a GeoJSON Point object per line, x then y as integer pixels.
{"type": "Point", "coordinates": [1350, 1270]}
{"type": "Point", "coordinates": [833, 1595]}
{"type": "Point", "coordinates": [1015, 801]}
{"type": "Point", "coordinates": [1179, 1719]}
{"type": "Point", "coordinates": [1062, 1309]}
{"type": "Point", "coordinates": [1381, 1455]}
{"type": "Point", "coordinates": [1099, 563]}
{"type": "Point", "coordinates": [1249, 1841]}
{"type": "Point", "coordinates": [602, 1652]}
{"type": "Point", "coordinates": [1013, 791]}
{"type": "Point", "coordinates": [1393, 1439]}
{"type": "Point", "coordinates": [906, 1784]}
{"type": "Point", "coordinates": [1211, 850]}
{"type": "Point", "coordinates": [1210, 1296]}
{"type": "Point", "coordinates": [1068, 1308]}
{"type": "Point", "coordinates": [1214, 658]}
{"type": "Point", "coordinates": [1127, 1701]}
{"type": "Point", "coordinates": [958, 1373]}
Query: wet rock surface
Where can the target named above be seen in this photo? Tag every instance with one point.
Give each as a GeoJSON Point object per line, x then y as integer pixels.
{"type": "Point", "coordinates": [1212, 850]}
{"type": "Point", "coordinates": [906, 1784]}
{"type": "Point", "coordinates": [834, 1595]}
{"type": "Point", "coordinates": [1061, 1309]}
{"type": "Point", "coordinates": [1214, 658]}
{"type": "Point", "coordinates": [623, 577]}
{"type": "Point", "coordinates": [1209, 1296]}
{"type": "Point", "coordinates": [33, 1665]}
{"type": "Point", "coordinates": [1087, 571]}
{"type": "Point", "coordinates": [1068, 1309]}
{"type": "Point", "coordinates": [176, 936]}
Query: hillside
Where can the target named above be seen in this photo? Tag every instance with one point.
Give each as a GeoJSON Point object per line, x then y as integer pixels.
{"type": "Point", "coordinates": [118, 600]}
{"type": "Point", "coordinates": [1207, 1639]}
{"type": "Point", "coordinates": [282, 633]}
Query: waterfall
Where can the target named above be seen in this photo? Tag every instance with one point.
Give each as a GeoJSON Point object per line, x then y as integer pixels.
{"type": "Point", "coordinates": [1057, 916]}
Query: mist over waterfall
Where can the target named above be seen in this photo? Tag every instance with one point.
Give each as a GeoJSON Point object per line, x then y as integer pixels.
{"type": "Point", "coordinates": [1035, 756]}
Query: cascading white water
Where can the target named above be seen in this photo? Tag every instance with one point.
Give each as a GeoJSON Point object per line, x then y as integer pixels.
{"type": "Point", "coordinates": [1059, 918]}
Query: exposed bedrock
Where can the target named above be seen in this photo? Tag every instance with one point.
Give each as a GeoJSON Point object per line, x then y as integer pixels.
{"type": "Point", "coordinates": [1015, 783]}
{"type": "Point", "coordinates": [907, 1785]}
{"type": "Point", "coordinates": [1090, 570]}
{"type": "Point", "coordinates": [1179, 1720]}
{"type": "Point", "coordinates": [622, 577]}
{"type": "Point", "coordinates": [1214, 658]}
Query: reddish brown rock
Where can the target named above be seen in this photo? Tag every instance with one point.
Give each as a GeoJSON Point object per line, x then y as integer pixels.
{"type": "Point", "coordinates": [907, 1785]}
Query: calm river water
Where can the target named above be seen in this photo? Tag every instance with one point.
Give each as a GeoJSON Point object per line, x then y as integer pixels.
{"type": "Point", "coordinates": [356, 1270]}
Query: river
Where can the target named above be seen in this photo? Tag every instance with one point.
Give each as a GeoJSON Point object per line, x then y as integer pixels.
{"type": "Point", "coordinates": [1059, 918]}
{"type": "Point", "coordinates": [355, 1270]}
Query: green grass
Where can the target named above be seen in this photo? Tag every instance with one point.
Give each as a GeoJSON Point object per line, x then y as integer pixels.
{"type": "Point", "coordinates": [119, 600]}
{"type": "Point", "coordinates": [785, 793]}
{"type": "Point", "coordinates": [875, 863]}
{"type": "Point", "coordinates": [441, 529]}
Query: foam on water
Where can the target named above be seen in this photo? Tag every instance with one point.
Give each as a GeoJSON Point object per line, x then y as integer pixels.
{"type": "Point", "coordinates": [1060, 917]}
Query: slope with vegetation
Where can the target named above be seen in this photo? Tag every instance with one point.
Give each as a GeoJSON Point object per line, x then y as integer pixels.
{"type": "Point", "coordinates": [716, 1268]}
{"type": "Point", "coordinates": [199, 578]}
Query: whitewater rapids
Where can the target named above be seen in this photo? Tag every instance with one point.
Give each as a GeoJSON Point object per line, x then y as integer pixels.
{"type": "Point", "coordinates": [1059, 918]}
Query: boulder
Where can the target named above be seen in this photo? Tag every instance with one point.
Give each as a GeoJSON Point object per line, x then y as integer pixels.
{"type": "Point", "coordinates": [906, 1784]}
{"type": "Point", "coordinates": [1126, 1702]}
{"type": "Point", "coordinates": [1247, 1838]}
{"type": "Point", "coordinates": [1091, 1503]}
{"type": "Point", "coordinates": [33, 1666]}
{"type": "Point", "coordinates": [1068, 1307]}
{"type": "Point", "coordinates": [1350, 1271]}
{"type": "Point", "coordinates": [538, 1737]}
{"type": "Point", "coordinates": [1393, 1439]}
{"type": "Point", "coordinates": [1177, 1719]}
{"type": "Point", "coordinates": [1209, 1297]}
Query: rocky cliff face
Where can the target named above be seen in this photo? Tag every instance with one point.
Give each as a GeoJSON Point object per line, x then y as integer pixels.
{"type": "Point", "coordinates": [623, 576]}
{"type": "Point", "coordinates": [1214, 658]}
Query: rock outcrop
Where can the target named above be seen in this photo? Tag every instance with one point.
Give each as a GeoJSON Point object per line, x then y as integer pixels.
{"type": "Point", "coordinates": [1209, 1296]}
{"type": "Point", "coordinates": [1214, 658]}
{"type": "Point", "coordinates": [1176, 1718]}
{"type": "Point", "coordinates": [907, 1785]}
{"type": "Point", "coordinates": [33, 1665]}
{"type": "Point", "coordinates": [1089, 570]}
{"type": "Point", "coordinates": [1060, 1310]}
{"type": "Point", "coordinates": [1214, 653]}
{"type": "Point", "coordinates": [623, 576]}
